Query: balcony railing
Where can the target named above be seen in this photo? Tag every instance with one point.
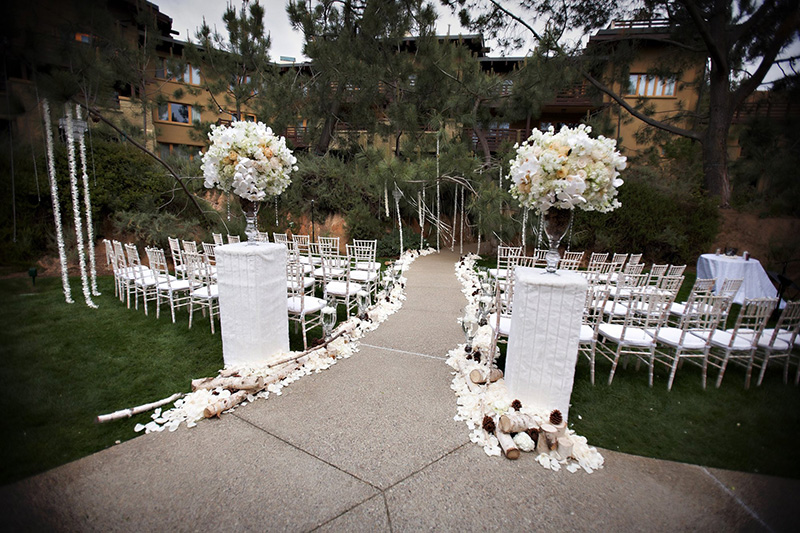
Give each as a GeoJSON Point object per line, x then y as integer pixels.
{"type": "Point", "coordinates": [297, 135]}
{"type": "Point", "coordinates": [636, 24]}
{"type": "Point", "coordinates": [495, 137]}
{"type": "Point", "coordinates": [765, 108]}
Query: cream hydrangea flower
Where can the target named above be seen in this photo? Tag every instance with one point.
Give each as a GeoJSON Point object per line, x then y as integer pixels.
{"type": "Point", "coordinates": [566, 170]}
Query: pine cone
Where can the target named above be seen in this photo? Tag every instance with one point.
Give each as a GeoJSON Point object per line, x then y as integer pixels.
{"type": "Point", "coordinates": [488, 424]}
{"type": "Point", "coordinates": [517, 405]}
{"type": "Point", "coordinates": [476, 355]}
{"type": "Point", "coordinates": [476, 292]}
{"type": "Point", "coordinates": [555, 417]}
{"type": "Point", "coordinates": [533, 433]}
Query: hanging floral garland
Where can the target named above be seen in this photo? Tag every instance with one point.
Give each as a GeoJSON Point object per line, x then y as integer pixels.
{"type": "Point", "coordinates": [76, 208]}
{"type": "Point", "coordinates": [51, 169]}
{"type": "Point", "coordinates": [87, 204]}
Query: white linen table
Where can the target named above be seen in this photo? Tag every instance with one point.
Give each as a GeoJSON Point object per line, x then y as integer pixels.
{"type": "Point", "coordinates": [543, 338]}
{"type": "Point", "coordinates": [252, 302]}
{"type": "Point", "coordinates": [756, 282]}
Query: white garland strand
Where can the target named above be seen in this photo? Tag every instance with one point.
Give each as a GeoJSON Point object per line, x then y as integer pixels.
{"type": "Point", "coordinates": [76, 208]}
{"type": "Point", "coordinates": [438, 198]}
{"type": "Point", "coordinates": [87, 204]}
{"type": "Point", "coordinates": [461, 229]}
{"type": "Point", "coordinates": [189, 409]}
{"type": "Point", "coordinates": [524, 228]}
{"type": "Point", "coordinates": [386, 199]}
{"type": "Point", "coordinates": [494, 400]}
{"type": "Point", "coordinates": [51, 170]}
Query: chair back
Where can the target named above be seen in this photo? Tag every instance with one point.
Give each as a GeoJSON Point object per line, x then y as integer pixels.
{"type": "Point", "coordinates": [361, 257]}
{"type": "Point", "coordinates": [218, 238]}
{"type": "Point", "coordinates": [571, 261]}
{"type": "Point", "coordinates": [330, 242]}
{"type": "Point", "coordinates": [618, 262]}
{"type": "Point", "coordinates": [280, 238]}
{"type": "Point", "coordinates": [189, 246]}
{"type": "Point", "coordinates": [788, 325]}
{"type": "Point", "coordinates": [109, 252]}
{"type": "Point", "coordinates": [675, 270]}
{"type": "Point", "coordinates": [234, 239]}
{"type": "Point", "coordinates": [656, 273]}
{"type": "Point", "coordinates": [634, 259]}
{"type": "Point", "coordinates": [730, 287]}
{"type": "Point", "coordinates": [752, 319]}
{"type": "Point", "coordinates": [208, 250]}
{"type": "Point", "coordinates": [703, 286]}
{"type": "Point", "coordinates": [595, 260]}
{"type": "Point", "coordinates": [596, 298]}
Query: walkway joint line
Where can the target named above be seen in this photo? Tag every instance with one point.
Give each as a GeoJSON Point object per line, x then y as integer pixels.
{"type": "Point", "coordinates": [403, 351]}
{"type": "Point", "coordinates": [738, 500]}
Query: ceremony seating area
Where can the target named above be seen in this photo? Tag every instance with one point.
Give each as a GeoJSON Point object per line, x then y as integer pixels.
{"type": "Point", "coordinates": [317, 274]}
{"type": "Point", "coordinates": [633, 314]}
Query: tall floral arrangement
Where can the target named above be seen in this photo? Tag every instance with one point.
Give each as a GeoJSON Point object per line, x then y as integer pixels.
{"type": "Point", "coordinates": [249, 160]}
{"type": "Point", "coordinates": [567, 169]}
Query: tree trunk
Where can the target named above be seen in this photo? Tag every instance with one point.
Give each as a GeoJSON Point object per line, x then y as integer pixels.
{"type": "Point", "coordinates": [715, 139]}
{"type": "Point", "coordinates": [325, 138]}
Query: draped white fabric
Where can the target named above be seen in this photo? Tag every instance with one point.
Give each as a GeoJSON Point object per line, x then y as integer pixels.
{"type": "Point", "coordinates": [252, 302]}
{"type": "Point", "coordinates": [543, 342]}
{"type": "Point", "coordinates": [721, 267]}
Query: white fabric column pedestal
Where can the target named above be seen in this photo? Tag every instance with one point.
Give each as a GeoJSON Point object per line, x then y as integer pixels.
{"type": "Point", "coordinates": [543, 337]}
{"type": "Point", "coordinates": [252, 302]}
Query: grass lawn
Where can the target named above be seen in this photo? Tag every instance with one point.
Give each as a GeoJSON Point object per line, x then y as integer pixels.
{"type": "Point", "coordinates": [64, 364]}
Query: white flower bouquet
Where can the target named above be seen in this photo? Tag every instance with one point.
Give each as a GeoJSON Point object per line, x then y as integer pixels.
{"type": "Point", "coordinates": [567, 169]}
{"type": "Point", "coordinates": [248, 159]}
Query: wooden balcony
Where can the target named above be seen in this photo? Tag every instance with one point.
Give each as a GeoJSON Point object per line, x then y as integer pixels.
{"type": "Point", "coordinates": [776, 110]}
{"type": "Point", "coordinates": [495, 137]}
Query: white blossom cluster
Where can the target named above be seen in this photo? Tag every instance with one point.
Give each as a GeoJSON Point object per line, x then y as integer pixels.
{"type": "Point", "coordinates": [190, 408]}
{"type": "Point", "coordinates": [248, 159]}
{"type": "Point", "coordinates": [495, 401]}
{"type": "Point", "coordinates": [567, 169]}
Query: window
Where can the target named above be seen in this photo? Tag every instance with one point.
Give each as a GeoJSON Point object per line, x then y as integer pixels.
{"type": "Point", "coordinates": [83, 38]}
{"type": "Point", "coordinates": [190, 75]}
{"type": "Point", "coordinates": [179, 113]}
{"type": "Point", "coordinates": [182, 151]}
{"type": "Point", "coordinates": [247, 117]}
{"type": "Point", "coordinates": [644, 85]}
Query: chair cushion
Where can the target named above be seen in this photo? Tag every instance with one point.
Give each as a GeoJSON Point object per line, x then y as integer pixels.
{"type": "Point", "coordinates": [672, 337]}
{"type": "Point", "coordinates": [206, 293]}
{"type": "Point", "coordinates": [363, 276]}
{"type": "Point", "coordinates": [724, 339]}
{"type": "Point", "coordinates": [368, 265]}
{"type": "Point", "coordinates": [587, 333]}
{"type": "Point", "coordinates": [309, 304]}
{"type": "Point", "coordinates": [632, 336]}
{"type": "Point", "coordinates": [175, 285]}
{"type": "Point", "coordinates": [779, 343]}
{"type": "Point", "coordinates": [340, 288]}
{"type": "Point", "coordinates": [505, 323]}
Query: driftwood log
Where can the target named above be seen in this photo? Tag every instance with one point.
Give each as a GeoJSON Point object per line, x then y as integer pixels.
{"type": "Point", "coordinates": [548, 438]}
{"type": "Point", "coordinates": [565, 447]}
{"type": "Point", "coordinates": [216, 408]}
{"type": "Point", "coordinates": [479, 375]}
{"type": "Point", "coordinates": [507, 444]}
{"type": "Point", "coordinates": [127, 413]}
{"type": "Point", "coordinates": [514, 422]}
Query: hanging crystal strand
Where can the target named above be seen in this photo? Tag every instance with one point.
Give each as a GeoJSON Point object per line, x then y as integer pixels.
{"type": "Point", "coordinates": [421, 211]}
{"type": "Point", "coordinates": [480, 223]}
{"type": "Point", "coordinates": [51, 169]}
{"type": "Point", "coordinates": [76, 208]}
{"type": "Point", "coordinates": [228, 204]}
{"type": "Point", "coordinates": [399, 224]}
{"type": "Point", "coordinates": [461, 231]}
{"type": "Point", "coordinates": [455, 219]}
{"type": "Point", "coordinates": [524, 225]}
{"type": "Point", "coordinates": [541, 231]}
{"type": "Point", "coordinates": [438, 198]}
{"type": "Point", "coordinates": [276, 211]}
{"type": "Point", "coordinates": [87, 204]}
{"type": "Point", "coordinates": [571, 220]}
{"type": "Point", "coordinates": [386, 199]}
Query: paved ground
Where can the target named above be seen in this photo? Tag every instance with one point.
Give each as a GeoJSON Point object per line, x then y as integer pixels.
{"type": "Point", "coordinates": [371, 445]}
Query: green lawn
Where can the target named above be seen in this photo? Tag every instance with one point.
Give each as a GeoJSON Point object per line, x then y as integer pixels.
{"type": "Point", "coordinates": [64, 364]}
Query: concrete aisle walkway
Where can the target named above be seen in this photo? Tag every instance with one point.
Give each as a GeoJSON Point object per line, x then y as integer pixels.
{"type": "Point", "coordinates": [371, 445]}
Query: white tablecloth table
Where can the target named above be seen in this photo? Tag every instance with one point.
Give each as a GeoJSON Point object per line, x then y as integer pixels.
{"type": "Point", "coordinates": [756, 282]}
{"type": "Point", "coordinates": [252, 302]}
{"type": "Point", "coordinates": [543, 338]}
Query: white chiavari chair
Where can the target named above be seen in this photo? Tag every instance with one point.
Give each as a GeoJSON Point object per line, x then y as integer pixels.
{"type": "Point", "coordinates": [304, 309]}
{"type": "Point", "coordinates": [203, 292]}
{"type": "Point", "coordinates": [174, 291]}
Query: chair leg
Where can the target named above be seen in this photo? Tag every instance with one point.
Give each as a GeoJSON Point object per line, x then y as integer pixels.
{"type": "Point", "coordinates": [591, 362]}
{"type": "Point", "coordinates": [614, 364]}
{"type": "Point", "coordinates": [763, 368]}
{"type": "Point", "coordinates": [303, 328]}
{"type": "Point", "coordinates": [722, 368]}
{"type": "Point", "coordinates": [705, 369]}
{"type": "Point", "coordinates": [191, 312]}
{"type": "Point", "coordinates": [674, 370]}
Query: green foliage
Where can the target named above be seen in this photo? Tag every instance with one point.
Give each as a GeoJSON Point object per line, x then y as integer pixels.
{"type": "Point", "coordinates": [765, 177]}
{"type": "Point", "coordinates": [152, 228]}
{"type": "Point", "coordinates": [667, 224]}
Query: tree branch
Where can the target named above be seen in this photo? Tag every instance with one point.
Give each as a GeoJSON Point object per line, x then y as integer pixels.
{"type": "Point", "coordinates": [517, 19]}
{"type": "Point", "coordinates": [96, 113]}
{"type": "Point", "coordinates": [702, 28]}
{"type": "Point", "coordinates": [641, 116]}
